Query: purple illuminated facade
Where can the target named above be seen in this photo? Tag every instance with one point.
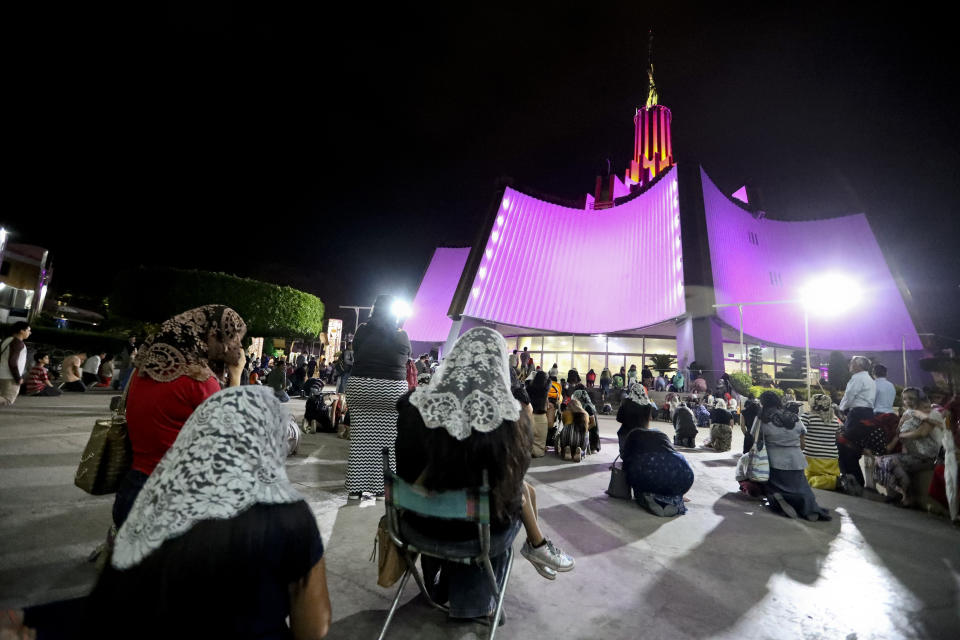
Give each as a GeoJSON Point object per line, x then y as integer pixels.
{"type": "Point", "coordinates": [529, 274]}
{"type": "Point", "coordinates": [429, 323]}
{"type": "Point", "coordinates": [764, 259]}
{"type": "Point", "coordinates": [610, 285]}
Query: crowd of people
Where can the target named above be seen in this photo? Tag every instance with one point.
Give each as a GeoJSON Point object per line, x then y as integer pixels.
{"type": "Point", "coordinates": [206, 519]}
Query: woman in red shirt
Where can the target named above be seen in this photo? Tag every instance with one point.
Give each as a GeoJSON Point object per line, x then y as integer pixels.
{"type": "Point", "coordinates": [173, 377]}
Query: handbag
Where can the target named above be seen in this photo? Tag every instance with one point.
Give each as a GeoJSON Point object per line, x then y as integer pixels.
{"type": "Point", "coordinates": [754, 465]}
{"type": "Point", "coordinates": [108, 455]}
{"type": "Point", "coordinates": [618, 487]}
{"type": "Point", "coordinates": [390, 564]}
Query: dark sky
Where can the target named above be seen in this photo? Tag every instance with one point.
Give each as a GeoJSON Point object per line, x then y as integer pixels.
{"type": "Point", "coordinates": [333, 150]}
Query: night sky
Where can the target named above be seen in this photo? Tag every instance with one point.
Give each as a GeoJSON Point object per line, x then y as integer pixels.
{"type": "Point", "coordinates": [333, 151]}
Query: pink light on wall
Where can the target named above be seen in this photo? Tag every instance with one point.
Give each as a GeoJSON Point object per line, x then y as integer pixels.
{"type": "Point", "coordinates": [762, 260]}
{"type": "Point", "coordinates": [428, 321]}
{"type": "Point", "coordinates": [579, 271]}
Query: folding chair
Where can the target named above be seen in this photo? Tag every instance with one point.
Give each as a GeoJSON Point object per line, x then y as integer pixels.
{"type": "Point", "coordinates": [470, 505]}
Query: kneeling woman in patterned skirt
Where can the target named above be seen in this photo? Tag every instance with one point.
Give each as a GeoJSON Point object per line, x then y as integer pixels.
{"type": "Point", "coordinates": [657, 473]}
{"type": "Point", "coordinates": [378, 379]}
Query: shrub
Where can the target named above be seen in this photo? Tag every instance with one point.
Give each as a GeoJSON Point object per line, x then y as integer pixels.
{"type": "Point", "coordinates": [741, 382]}
{"type": "Point", "coordinates": [73, 340]}
{"type": "Point", "coordinates": [153, 294]}
{"type": "Point", "coordinates": [756, 390]}
{"type": "Point", "coordinates": [838, 371]}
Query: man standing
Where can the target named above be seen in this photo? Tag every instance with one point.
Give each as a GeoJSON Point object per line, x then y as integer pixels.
{"type": "Point", "coordinates": [91, 368]}
{"type": "Point", "coordinates": [886, 392]}
{"type": "Point", "coordinates": [126, 356]}
{"type": "Point", "coordinates": [13, 363]}
{"type": "Point", "coordinates": [858, 400]}
{"type": "Point", "coordinates": [514, 360]}
{"type": "Point", "coordinates": [346, 364]}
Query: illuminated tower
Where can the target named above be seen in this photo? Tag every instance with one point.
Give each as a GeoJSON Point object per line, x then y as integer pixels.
{"type": "Point", "coordinates": [652, 149]}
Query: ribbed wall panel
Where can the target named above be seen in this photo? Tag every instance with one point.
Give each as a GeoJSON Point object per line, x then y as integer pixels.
{"type": "Point", "coordinates": [428, 321]}
{"type": "Point", "coordinates": [579, 271]}
{"type": "Point", "coordinates": [796, 252]}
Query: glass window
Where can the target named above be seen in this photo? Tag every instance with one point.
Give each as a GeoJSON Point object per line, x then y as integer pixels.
{"type": "Point", "coordinates": [732, 366]}
{"type": "Point", "coordinates": [563, 363]}
{"type": "Point", "coordinates": [637, 360]}
{"type": "Point", "coordinates": [768, 352]}
{"type": "Point", "coordinates": [549, 359]}
{"type": "Point", "coordinates": [732, 350]}
{"type": "Point", "coordinates": [537, 358]}
{"type": "Point", "coordinates": [558, 343]}
{"type": "Point", "coordinates": [532, 343]}
{"type": "Point", "coordinates": [598, 362]}
{"type": "Point", "coordinates": [784, 356]}
{"type": "Point", "coordinates": [581, 362]}
{"type": "Point", "coordinates": [511, 342]}
{"type": "Point", "coordinates": [660, 345]}
{"type": "Point", "coordinates": [620, 344]}
{"type": "Point", "coordinates": [589, 343]}
{"type": "Point", "coordinates": [770, 370]}
{"type": "Point", "coordinates": [614, 362]}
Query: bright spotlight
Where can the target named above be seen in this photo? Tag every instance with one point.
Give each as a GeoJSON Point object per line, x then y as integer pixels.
{"type": "Point", "coordinates": [400, 309]}
{"type": "Point", "coordinates": [831, 294]}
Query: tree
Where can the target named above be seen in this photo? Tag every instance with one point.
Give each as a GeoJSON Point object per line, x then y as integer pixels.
{"type": "Point", "coordinates": [662, 363]}
{"type": "Point", "coordinates": [797, 370]}
{"type": "Point", "coordinates": [153, 294]}
{"type": "Point", "coordinates": [756, 364]}
{"type": "Point", "coordinates": [838, 371]}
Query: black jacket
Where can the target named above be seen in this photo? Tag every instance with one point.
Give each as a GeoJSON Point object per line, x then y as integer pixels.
{"type": "Point", "coordinates": [380, 351]}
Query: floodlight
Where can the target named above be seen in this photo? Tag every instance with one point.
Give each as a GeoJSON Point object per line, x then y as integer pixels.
{"type": "Point", "coordinates": [400, 309]}
{"type": "Point", "coordinates": [831, 294]}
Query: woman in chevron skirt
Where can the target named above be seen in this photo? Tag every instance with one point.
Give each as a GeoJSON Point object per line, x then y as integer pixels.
{"type": "Point", "coordinates": [377, 381]}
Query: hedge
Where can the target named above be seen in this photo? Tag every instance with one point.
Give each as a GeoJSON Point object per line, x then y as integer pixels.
{"type": "Point", "coordinates": [153, 294]}
{"type": "Point", "coordinates": [741, 382]}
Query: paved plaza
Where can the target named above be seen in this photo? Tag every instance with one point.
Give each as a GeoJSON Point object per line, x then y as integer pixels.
{"type": "Point", "coordinates": [727, 569]}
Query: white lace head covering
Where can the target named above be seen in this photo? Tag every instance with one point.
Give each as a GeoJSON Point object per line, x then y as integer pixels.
{"type": "Point", "coordinates": [471, 389]}
{"type": "Point", "coordinates": [638, 394]}
{"type": "Point", "coordinates": [228, 457]}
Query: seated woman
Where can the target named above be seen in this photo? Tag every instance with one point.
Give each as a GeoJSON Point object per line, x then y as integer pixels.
{"type": "Point", "coordinates": [657, 473]}
{"type": "Point", "coordinates": [593, 430]}
{"type": "Point", "coordinates": [572, 439]}
{"type": "Point", "coordinates": [787, 488]}
{"type": "Point", "coordinates": [684, 426]}
{"type": "Point", "coordinates": [219, 543]}
{"type": "Point", "coordinates": [538, 389]}
{"type": "Point", "coordinates": [820, 443]}
{"type": "Point", "coordinates": [920, 435]}
{"type": "Point", "coordinates": [721, 426]}
{"type": "Point", "coordinates": [702, 413]}
{"type": "Point", "coordinates": [466, 421]}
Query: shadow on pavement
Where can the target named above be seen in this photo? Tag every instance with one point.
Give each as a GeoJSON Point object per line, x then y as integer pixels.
{"type": "Point", "coordinates": [710, 588]}
{"type": "Point", "coordinates": [571, 471]}
{"type": "Point", "coordinates": [580, 529]}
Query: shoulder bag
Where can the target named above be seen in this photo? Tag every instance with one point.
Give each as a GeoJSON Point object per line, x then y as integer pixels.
{"type": "Point", "coordinates": [108, 454]}
{"type": "Point", "coordinates": [390, 564]}
{"type": "Point", "coordinates": [618, 487]}
{"type": "Point", "coordinates": [754, 465]}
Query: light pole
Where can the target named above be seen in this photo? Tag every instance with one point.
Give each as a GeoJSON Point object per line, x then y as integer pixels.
{"type": "Point", "coordinates": [356, 310]}
{"type": "Point", "coordinates": [806, 328]}
{"type": "Point", "coordinates": [829, 293]}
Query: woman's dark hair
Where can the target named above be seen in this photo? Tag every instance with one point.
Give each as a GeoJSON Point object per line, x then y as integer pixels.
{"type": "Point", "coordinates": [521, 395]}
{"type": "Point", "coordinates": [773, 411]}
{"type": "Point", "coordinates": [39, 355]}
{"type": "Point", "coordinates": [452, 464]}
{"type": "Point", "coordinates": [635, 416]}
{"type": "Point", "coordinates": [215, 567]}
{"type": "Point", "coordinates": [751, 409]}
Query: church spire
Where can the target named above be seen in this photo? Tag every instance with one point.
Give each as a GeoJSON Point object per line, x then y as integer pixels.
{"type": "Point", "coordinates": [652, 86]}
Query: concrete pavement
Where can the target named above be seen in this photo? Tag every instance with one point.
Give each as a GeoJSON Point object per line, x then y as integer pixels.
{"type": "Point", "coordinates": [727, 569]}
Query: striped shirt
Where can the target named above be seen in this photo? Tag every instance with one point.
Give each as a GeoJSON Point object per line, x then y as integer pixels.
{"type": "Point", "coordinates": [38, 379]}
{"type": "Point", "coordinates": [821, 438]}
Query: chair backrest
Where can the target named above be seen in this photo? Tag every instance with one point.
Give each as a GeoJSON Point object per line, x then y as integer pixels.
{"type": "Point", "coordinates": [471, 505]}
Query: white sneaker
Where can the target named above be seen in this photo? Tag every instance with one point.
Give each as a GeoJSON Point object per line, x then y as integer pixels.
{"type": "Point", "coordinates": [547, 555]}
